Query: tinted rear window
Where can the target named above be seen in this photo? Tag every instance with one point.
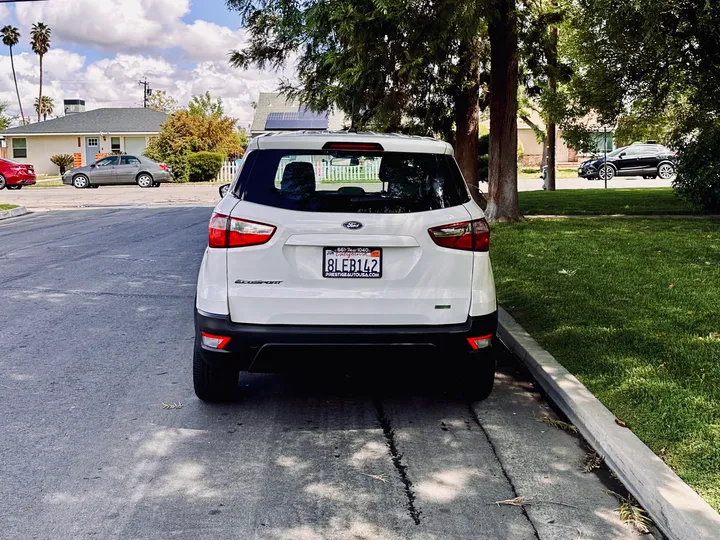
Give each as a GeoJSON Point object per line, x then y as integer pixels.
{"type": "Point", "coordinates": [353, 182]}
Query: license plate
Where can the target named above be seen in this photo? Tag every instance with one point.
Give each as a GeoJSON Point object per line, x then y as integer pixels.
{"type": "Point", "coordinates": [352, 262]}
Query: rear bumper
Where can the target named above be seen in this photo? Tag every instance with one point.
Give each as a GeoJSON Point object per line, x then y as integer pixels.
{"type": "Point", "coordinates": [247, 340]}
{"type": "Point", "coordinates": [22, 180]}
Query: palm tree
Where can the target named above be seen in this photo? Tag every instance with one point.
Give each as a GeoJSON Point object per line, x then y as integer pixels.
{"type": "Point", "coordinates": [48, 106]}
{"type": "Point", "coordinates": [11, 37]}
{"type": "Point", "coordinates": [40, 43]}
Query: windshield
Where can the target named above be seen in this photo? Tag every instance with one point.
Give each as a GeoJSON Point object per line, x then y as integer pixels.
{"type": "Point", "coordinates": [353, 182]}
{"type": "Point", "coordinates": [617, 151]}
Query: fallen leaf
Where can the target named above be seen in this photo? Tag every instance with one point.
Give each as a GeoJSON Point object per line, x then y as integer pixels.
{"type": "Point", "coordinates": [620, 423]}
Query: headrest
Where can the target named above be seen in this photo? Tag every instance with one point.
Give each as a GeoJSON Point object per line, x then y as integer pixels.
{"type": "Point", "coordinates": [298, 179]}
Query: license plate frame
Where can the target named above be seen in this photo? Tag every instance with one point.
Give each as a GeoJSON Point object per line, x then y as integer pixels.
{"type": "Point", "coordinates": [347, 274]}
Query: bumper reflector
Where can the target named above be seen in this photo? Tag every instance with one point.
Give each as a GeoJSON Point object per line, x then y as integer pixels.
{"type": "Point", "coordinates": [214, 342]}
{"type": "Point", "coordinates": [480, 342]}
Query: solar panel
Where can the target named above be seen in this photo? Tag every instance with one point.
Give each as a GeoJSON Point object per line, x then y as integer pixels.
{"type": "Point", "coordinates": [303, 119]}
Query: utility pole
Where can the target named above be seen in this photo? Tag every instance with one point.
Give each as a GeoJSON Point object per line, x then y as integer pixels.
{"type": "Point", "coordinates": [147, 91]}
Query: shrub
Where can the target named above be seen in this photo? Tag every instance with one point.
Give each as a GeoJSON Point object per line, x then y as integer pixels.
{"type": "Point", "coordinates": [63, 161]}
{"type": "Point", "coordinates": [698, 170]}
{"type": "Point", "coordinates": [205, 166]}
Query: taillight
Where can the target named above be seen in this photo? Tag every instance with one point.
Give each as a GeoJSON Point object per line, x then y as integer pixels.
{"type": "Point", "coordinates": [227, 232]}
{"type": "Point", "coordinates": [163, 166]}
{"type": "Point", "coordinates": [467, 235]}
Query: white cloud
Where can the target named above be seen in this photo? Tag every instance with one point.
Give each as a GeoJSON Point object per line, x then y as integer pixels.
{"type": "Point", "coordinates": [139, 38]}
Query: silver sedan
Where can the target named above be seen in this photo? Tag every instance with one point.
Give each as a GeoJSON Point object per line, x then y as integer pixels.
{"type": "Point", "coordinates": [119, 170]}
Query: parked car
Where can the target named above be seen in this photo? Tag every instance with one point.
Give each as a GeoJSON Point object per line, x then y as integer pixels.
{"type": "Point", "coordinates": [399, 259]}
{"type": "Point", "coordinates": [119, 170]}
{"type": "Point", "coordinates": [646, 160]}
{"type": "Point", "coordinates": [14, 175]}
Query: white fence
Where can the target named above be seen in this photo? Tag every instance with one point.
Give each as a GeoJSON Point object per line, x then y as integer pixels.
{"type": "Point", "coordinates": [227, 173]}
{"type": "Point", "coordinates": [324, 172]}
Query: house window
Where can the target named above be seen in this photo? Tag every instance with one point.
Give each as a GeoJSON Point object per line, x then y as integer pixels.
{"type": "Point", "coordinates": [93, 141]}
{"type": "Point", "coordinates": [19, 147]}
{"type": "Point", "coordinates": [115, 144]}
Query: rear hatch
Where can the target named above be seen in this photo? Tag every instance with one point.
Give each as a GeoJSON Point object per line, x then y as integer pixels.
{"type": "Point", "coordinates": [343, 237]}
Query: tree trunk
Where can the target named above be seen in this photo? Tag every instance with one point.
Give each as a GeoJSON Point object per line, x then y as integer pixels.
{"type": "Point", "coordinates": [40, 103]}
{"type": "Point", "coordinates": [17, 90]}
{"type": "Point", "coordinates": [467, 118]}
{"type": "Point", "coordinates": [502, 170]}
{"type": "Point", "coordinates": [551, 121]}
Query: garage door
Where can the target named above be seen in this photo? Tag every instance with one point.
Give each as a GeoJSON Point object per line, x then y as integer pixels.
{"type": "Point", "coordinates": [135, 145]}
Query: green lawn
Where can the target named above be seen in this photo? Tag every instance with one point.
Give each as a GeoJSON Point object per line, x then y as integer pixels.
{"type": "Point", "coordinates": [632, 308]}
{"type": "Point", "coordinates": [526, 173]}
{"type": "Point", "coordinates": [4, 206]}
{"type": "Point", "coordinates": [637, 201]}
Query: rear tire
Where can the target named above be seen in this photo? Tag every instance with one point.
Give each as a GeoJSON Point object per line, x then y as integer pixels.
{"type": "Point", "coordinates": [3, 182]}
{"type": "Point", "coordinates": [666, 171]}
{"type": "Point", "coordinates": [478, 375]}
{"type": "Point", "coordinates": [144, 180]}
{"type": "Point", "coordinates": [14, 187]}
{"type": "Point", "coordinates": [213, 382]}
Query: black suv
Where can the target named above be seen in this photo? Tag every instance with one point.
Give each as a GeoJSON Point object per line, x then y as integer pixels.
{"type": "Point", "coordinates": [646, 160]}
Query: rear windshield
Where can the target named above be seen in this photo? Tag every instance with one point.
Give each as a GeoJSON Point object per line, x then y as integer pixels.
{"type": "Point", "coordinates": [352, 182]}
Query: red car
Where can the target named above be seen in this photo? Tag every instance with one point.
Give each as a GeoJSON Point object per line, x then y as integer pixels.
{"type": "Point", "coordinates": [15, 175]}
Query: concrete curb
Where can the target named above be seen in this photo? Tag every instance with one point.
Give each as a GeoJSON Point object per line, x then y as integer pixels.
{"type": "Point", "coordinates": [679, 512]}
{"type": "Point", "coordinates": [15, 212]}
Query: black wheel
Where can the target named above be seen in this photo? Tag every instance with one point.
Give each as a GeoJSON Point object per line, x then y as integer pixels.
{"type": "Point", "coordinates": [95, 186]}
{"type": "Point", "coordinates": [144, 180]}
{"type": "Point", "coordinates": [478, 375]}
{"type": "Point", "coordinates": [606, 171]}
{"type": "Point", "coordinates": [3, 182]}
{"type": "Point", "coordinates": [14, 187]}
{"type": "Point", "coordinates": [156, 184]}
{"type": "Point", "coordinates": [213, 382]}
{"type": "Point", "coordinates": [666, 171]}
{"type": "Point", "coordinates": [81, 181]}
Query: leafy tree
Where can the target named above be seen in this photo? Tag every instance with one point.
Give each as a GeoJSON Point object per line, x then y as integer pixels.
{"type": "Point", "coordinates": [698, 174]}
{"type": "Point", "coordinates": [48, 106]}
{"type": "Point", "coordinates": [204, 105]}
{"type": "Point", "coordinates": [40, 43]}
{"type": "Point", "coordinates": [161, 101]}
{"type": "Point", "coordinates": [10, 38]}
{"type": "Point", "coordinates": [185, 133]}
{"type": "Point", "coordinates": [4, 118]}
{"type": "Point", "coordinates": [640, 58]}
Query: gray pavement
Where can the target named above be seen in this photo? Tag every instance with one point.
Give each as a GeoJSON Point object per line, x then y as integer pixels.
{"type": "Point", "coordinates": [67, 197]}
{"type": "Point", "coordinates": [96, 334]}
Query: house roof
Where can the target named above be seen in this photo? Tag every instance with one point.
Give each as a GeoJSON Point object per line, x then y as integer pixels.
{"type": "Point", "coordinates": [270, 103]}
{"type": "Point", "coordinates": [115, 120]}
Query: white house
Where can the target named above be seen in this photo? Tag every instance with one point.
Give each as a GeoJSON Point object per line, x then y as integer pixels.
{"type": "Point", "coordinates": [85, 135]}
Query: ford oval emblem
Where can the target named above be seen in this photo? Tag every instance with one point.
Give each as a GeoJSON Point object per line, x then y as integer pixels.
{"type": "Point", "coordinates": [353, 225]}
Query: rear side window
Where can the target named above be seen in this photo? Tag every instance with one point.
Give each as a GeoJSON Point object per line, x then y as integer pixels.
{"type": "Point", "coordinates": [354, 182]}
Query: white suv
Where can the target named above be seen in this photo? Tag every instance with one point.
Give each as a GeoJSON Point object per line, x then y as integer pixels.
{"type": "Point", "coordinates": [352, 239]}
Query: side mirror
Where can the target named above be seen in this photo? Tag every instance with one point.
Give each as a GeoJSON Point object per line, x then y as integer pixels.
{"type": "Point", "coordinates": [93, 165]}
{"type": "Point", "coordinates": [622, 155]}
{"type": "Point", "coordinates": [224, 189]}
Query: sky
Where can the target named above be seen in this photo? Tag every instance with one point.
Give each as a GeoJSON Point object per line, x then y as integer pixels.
{"type": "Point", "coordinates": [101, 48]}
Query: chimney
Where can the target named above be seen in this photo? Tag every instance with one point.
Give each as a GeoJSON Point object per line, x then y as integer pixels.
{"type": "Point", "coordinates": [73, 106]}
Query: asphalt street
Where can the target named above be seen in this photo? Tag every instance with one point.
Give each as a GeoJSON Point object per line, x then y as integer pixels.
{"type": "Point", "coordinates": [101, 436]}
{"type": "Point", "coordinates": [53, 198]}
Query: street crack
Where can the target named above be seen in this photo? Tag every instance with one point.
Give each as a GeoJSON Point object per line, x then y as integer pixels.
{"type": "Point", "coordinates": [476, 419]}
{"type": "Point", "coordinates": [397, 460]}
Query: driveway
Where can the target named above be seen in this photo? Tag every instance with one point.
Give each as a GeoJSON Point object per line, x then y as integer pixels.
{"type": "Point", "coordinates": [39, 198]}
{"type": "Point", "coordinates": [101, 435]}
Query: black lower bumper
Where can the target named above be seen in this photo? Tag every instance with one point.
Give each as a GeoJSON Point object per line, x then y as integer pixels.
{"type": "Point", "coordinates": [248, 340]}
